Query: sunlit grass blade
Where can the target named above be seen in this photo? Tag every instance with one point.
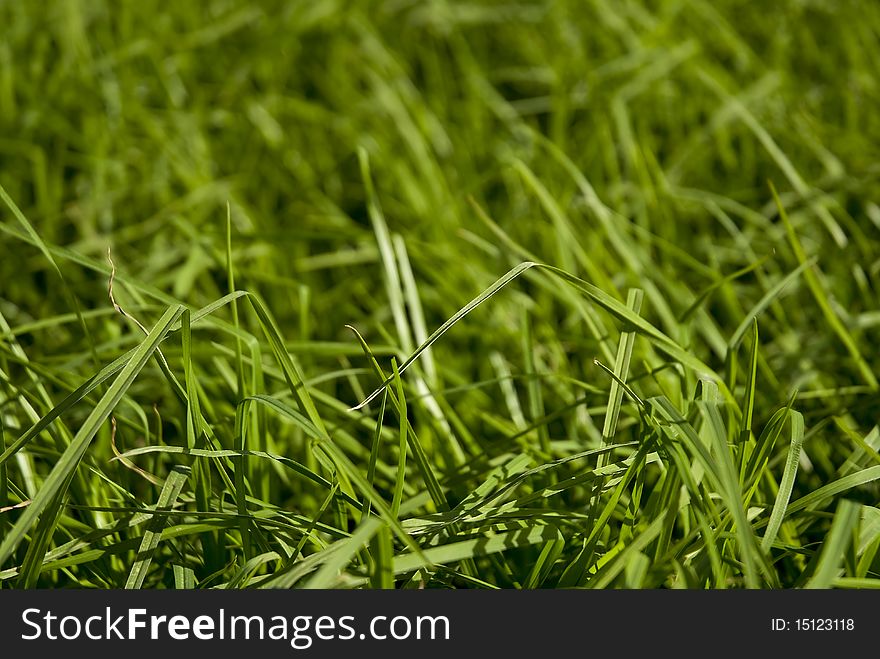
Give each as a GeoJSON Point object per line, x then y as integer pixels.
{"type": "Point", "coordinates": [832, 489]}
{"type": "Point", "coordinates": [374, 452]}
{"type": "Point", "coordinates": [184, 578]}
{"type": "Point", "coordinates": [544, 563]}
{"type": "Point", "coordinates": [796, 419]}
{"type": "Point", "coordinates": [846, 517]}
{"type": "Point", "coordinates": [465, 549]}
{"type": "Point", "coordinates": [621, 369]}
{"type": "Point", "coordinates": [153, 534]}
{"type": "Point", "coordinates": [341, 554]}
{"type": "Point", "coordinates": [401, 447]}
{"type": "Point", "coordinates": [750, 388]}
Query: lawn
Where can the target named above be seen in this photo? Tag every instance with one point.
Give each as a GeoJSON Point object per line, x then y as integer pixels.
{"type": "Point", "coordinates": [440, 294]}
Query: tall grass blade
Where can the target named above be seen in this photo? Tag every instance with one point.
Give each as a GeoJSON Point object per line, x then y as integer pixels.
{"type": "Point", "coordinates": [167, 497]}
{"type": "Point", "coordinates": [839, 538]}
{"type": "Point", "coordinates": [796, 419]}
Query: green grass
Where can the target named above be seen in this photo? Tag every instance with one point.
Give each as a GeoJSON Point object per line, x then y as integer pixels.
{"type": "Point", "coordinates": [440, 294]}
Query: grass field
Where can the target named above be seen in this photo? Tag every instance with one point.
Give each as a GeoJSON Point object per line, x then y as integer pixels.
{"type": "Point", "coordinates": [440, 294]}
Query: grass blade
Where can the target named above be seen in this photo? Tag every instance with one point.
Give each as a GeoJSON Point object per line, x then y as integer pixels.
{"type": "Point", "coordinates": [167, 498]}
{"type": "Point", "coordinates": [621, 369]}
{"type": "Point", "coordinates": [834, 488]}
{"type": "Point", "coordinates": [839, 538]}
{"type": "Point", "coordinates": [341, 553]}
{"type": "Point", "coordinates": [401, 447]}
{"type": "Point", "coordinates": [791, 464]}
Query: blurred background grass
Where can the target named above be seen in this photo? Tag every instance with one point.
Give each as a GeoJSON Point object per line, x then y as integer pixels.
{"type": "Point", "coordinates": [134, 123]}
